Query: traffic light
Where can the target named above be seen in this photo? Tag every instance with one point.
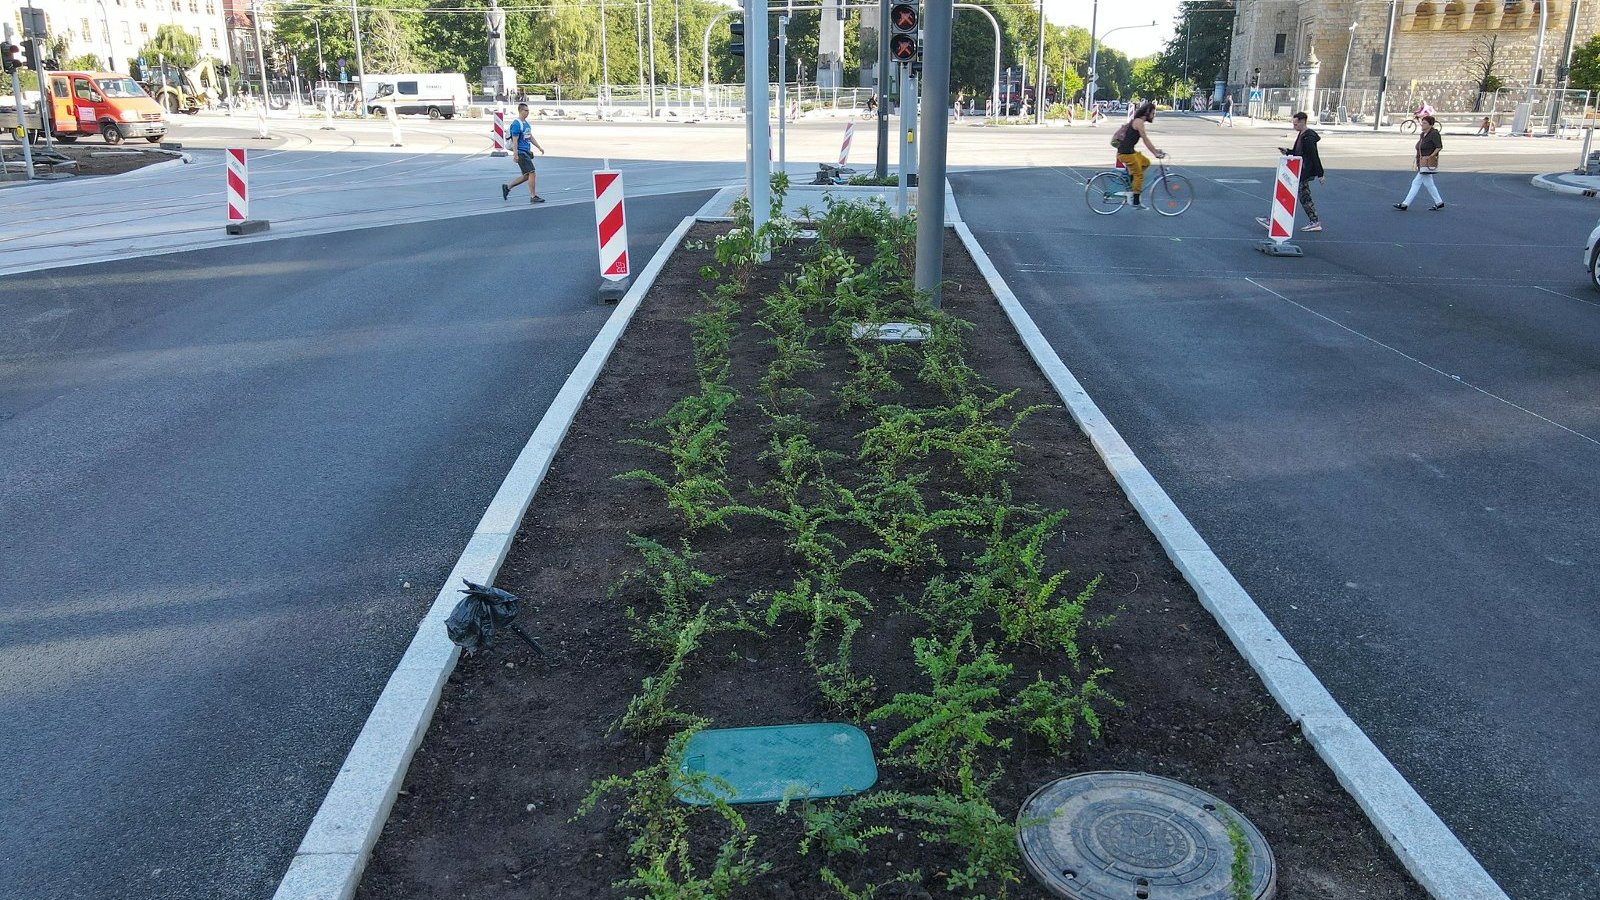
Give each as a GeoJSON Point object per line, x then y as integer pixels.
{"type": "Point", "coordinates": [736, 29]}
{"type": "Point", "coordinates": [10, 57]}
{"type": "Point", "coordinates": [903, 23]}
{"type": "Point", "coordinates": [30, 54]}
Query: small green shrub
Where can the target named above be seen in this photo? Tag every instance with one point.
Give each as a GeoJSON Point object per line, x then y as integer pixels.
{"type": "Point", "coordinates": [947, 725]}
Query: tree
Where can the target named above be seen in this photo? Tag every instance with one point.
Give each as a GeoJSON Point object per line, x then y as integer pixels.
{"type": "Point", "coordinates": [1198, 50]}
{"type": "Point", "coordinates": [1479, 66]}
{"type": "Point", "coordinates": [1585, 71]}
{"type": "Point", "coordinates": [180, 48]}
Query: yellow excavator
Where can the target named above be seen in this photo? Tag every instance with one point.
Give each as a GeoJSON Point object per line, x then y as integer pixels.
{"type": "Point", "coordinates": [181, 90]}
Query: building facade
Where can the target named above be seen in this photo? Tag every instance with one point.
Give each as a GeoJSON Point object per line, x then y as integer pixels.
{"type": "Point", "coordinates": [114, 30]}
{"type": "Point", "coordinates": [1441, 52]}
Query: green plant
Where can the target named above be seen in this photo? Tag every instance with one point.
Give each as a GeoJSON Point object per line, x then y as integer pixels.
{"type": "Point", "coordinates": [870, 891]}
{"type": "Point", "coordinates": [948, 724]}
{"type": "Point", "coordinates": [970, 823]}
{"type": "Point", "coordinates": [662, 826]}
{"type": "Point", "coordinates": [651, 709]}
{"type": "Point", "coordinates": [1052, 709]}
{"type": "Point", "coordinates": [1240, 872]}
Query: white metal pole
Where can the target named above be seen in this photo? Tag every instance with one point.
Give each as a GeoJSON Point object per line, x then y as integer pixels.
{"type": "Point", "coordinates": [783, 108]}
{"type": "Point", "coordinates": [936, 25]}
{"type": "Point", "coordinates": [996, 26]}
{"type": "Point", "coordinates": [22, 115]}
{"type": "Point", "coordinates": [650, 24]}
{"type": "Point", "coordinates": [1383, 80]}
{"type": "Point", "coordinates": [361, 59]}
{"type": "Point", "coordinates": [900, 132]}
{"type": "Point", "coordinates": [605, 60]}
{"type": "Point", "coordinates": [1344, 108]}
{"type": "Point", "coordinates": [1094, 59]}
{"type": "Point", "coordinates": [758, 76]}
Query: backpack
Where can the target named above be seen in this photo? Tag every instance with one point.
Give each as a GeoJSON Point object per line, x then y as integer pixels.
{"type": "Point", "coordinates": [1122, 134]}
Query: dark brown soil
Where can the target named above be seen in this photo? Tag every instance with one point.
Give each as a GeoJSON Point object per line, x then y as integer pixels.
{"type": "Point", "coordinates": [94, 157]}
{"type": "Point", "coordinates": [516, 742]}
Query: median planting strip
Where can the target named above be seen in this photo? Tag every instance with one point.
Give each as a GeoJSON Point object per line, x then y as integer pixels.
{"type": "Point", "coordinates": [758, 520]}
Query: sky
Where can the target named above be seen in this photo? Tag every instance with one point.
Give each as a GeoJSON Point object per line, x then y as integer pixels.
{"type": "Point", "coordinates": [1135, 42]}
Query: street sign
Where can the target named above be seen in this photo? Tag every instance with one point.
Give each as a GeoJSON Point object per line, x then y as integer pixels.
{"type": "Point", "coordinates": [34, 24]}
{"type": "Point", "coordinates": [1257, 95]}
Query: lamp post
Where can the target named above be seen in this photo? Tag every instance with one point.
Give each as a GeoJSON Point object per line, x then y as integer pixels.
{"type": "Point", "coordinates": [1038, 73]}
{"type": "Point", "coordinates": [1094, 61]}
{"type": "Point", "coordinates": [361, 59]}
{"type": "Point", "coordinates": [110, 48]}
{"type": "Point", "coordinates": [1094, 54]}
{"type": "Point", "coordinates": [1349, 49]}
{"type": "Point", "coordinates": [1383, 80]}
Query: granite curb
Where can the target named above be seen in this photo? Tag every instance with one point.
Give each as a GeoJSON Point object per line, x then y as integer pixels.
{"type": "Point", "coordinates": [1423, 843]}
{"type": "Point", "coordinates": [1552, 182]}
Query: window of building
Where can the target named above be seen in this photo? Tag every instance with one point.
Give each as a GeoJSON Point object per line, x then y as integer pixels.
{"type": "Point", "coordinates": [211, 8]}
{"type": "Point", "coordinates": [127, 36]}
{"type": "Point", "coordinates": [214, 43]}
{"type": "Point", "coordinates": [88, 31]}
{"type": "Point", "coordinates": [144, 30]}
{"type": "Point", "coordinates": [1377, 66]}
{"type": "Point", "coordinates": [194, 6]}
{"type": "Point", "coordinates": [1280, 44]}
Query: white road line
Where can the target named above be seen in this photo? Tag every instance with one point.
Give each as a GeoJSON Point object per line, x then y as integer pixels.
{"type": "Point", "coordinates": [1401, 353]}
{"type": "Point", "coordinates": [1568, 296]}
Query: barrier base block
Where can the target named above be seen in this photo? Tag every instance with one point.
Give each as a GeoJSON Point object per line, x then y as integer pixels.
{"type": "Point", "coordinates": [1273, 248]}
{"type": "Point", "coordinates": [249, 226]}
{"type": "Point", "coordinates": [613, 291]}
{"type": "Point", "coordinates": [327, 128]}
{"type": "Point", "coordinates": [499, 153]}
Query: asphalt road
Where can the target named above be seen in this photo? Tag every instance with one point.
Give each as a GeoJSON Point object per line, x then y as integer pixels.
{"type": "Point", "coordinates": [230, 483]}
{"type": "Point", "coordinates": [1392, 442]}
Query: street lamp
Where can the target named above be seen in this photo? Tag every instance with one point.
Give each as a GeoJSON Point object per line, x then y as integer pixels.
{"type": "Point", "coordinates": [1094, 56]}
{"type": "Point", "coordinates": [1351, 48]}
{"type": "Point", "coordinates": [110, 49]}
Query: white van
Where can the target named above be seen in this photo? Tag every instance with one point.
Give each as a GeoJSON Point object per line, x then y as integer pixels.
{"type": "Point", "coordinates": [439, 96]}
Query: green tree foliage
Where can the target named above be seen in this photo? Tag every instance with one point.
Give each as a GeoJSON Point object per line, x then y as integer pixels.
{"type": "Point", "coordinates": [1586, 65]}
{"type": "Point", "coordinates": [180, 48]}
{"type": "Point", "coordinates": [1206, 26]}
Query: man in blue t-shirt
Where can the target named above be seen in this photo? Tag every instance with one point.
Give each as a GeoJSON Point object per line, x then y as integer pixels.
{"type": "Point", "coordinates": [521, 132]}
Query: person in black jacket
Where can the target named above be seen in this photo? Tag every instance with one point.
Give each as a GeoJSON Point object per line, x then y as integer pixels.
{"type": "Point", "coordinates": [1305, 147]}
{"type": "Point", "coordinates": [1427, 162]}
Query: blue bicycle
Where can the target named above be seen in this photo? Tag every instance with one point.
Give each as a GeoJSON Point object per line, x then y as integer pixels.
{"type": "Point", "coordinates": [1167, 193]}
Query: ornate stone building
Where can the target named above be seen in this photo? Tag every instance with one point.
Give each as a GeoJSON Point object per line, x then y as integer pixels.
{"type": "Point", "coordinates": [1441, 47]}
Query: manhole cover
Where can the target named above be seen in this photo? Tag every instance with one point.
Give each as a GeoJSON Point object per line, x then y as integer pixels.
{"type": "Point", "coordinates": [1128, 836]}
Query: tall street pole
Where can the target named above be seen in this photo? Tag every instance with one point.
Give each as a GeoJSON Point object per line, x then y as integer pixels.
{"type": "Point", "coordinates": [1038, 74]}
{"type": "Point", "coordinates": [1348, 50]}
{"type": "Point", "coordinates": [783, 109]}
{"type": "Point", "coordinates": [883, 92]}
{"type": "Point", "coordinates": [638, 42]}
{"type": "Point", "coordinates": [361, 60]}
{"type": "Point", "coordinates": [677, 45]}
{"type": "Point", "coordinates": [650, 26]}
{"type": "Point", "coordinates": [1383, 80]}
{"type": "Point", "coordinates": [605, 60]}
{"type": "Point", "coordinates": [757, 75]}
{"type": "Point", "coordinates": [936, 24]}
{"type": "Point", "coordinates": [1094, 59]}
{"type": "Point", "coordinates": [111, 50]}
{"type": "Point", "coordinates": [261, 55]}
{"type": "Point", "coordinates": [1564, 71]}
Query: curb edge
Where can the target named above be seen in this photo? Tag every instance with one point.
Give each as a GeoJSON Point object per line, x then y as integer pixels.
{"type": "Point", "coordinates": [1549, 183]}
{"type": "Point", "coordinates": [332, 855]}
{"type": "Point", "coordinates": [1428, 849]}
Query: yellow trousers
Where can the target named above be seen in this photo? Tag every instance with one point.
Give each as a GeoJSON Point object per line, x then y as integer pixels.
{"type": "Point", "coordinates": [1136, 163]}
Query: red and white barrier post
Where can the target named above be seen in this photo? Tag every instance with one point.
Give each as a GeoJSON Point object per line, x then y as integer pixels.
{"type": "Point", "coordinates": [844, 148]}
{"type": "Point", "coordinates": [1285, 207]}
{"type": "Point", "coordinates": [499, 133]}
{"type": "Point", "coordinates": [239, 221]}
{"type": "Point", "coordinates": [611, 229]}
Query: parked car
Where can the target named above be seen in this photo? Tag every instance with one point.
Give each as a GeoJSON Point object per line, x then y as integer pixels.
{"type": "Point", "coordinates": [1591, 257]}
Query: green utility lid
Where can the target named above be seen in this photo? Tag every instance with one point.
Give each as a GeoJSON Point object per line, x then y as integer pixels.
{"type": "Point", "coordinates": [767, 764]}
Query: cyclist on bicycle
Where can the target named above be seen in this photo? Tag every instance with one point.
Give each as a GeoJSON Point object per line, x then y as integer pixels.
{"type": "Point", "coordinates": [1128, 153]}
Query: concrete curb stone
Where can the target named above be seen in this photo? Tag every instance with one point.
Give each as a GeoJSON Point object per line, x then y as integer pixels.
{"type": "Point", "coordinates": [1552, 182]}
{"type": "Point", "coordinates": [1423, 843]}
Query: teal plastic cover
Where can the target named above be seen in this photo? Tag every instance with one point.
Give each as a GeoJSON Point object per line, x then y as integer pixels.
{"type": "Point", "coordinates": [767, 764]}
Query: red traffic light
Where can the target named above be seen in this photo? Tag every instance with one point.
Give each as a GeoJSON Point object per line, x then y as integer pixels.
{"type": "Point", "coordinates": [902, 48]}
{"type": "Point", "coordinates": [10, 57]}
{"type": "Point", "coordinates": [903, 18]}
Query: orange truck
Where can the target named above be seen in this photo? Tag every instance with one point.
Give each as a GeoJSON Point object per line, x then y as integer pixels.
{"type": "Point", "coordinates": [104, 103]}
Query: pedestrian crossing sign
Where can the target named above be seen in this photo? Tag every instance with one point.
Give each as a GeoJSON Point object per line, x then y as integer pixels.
{"type": "Point", "coordinates": [1257, 95]}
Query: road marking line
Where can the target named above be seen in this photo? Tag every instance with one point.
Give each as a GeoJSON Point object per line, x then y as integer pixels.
{"type": "Point", "coordinates": [1568, 296]}
{"type": "Point", "coordinates": [1401, 353]}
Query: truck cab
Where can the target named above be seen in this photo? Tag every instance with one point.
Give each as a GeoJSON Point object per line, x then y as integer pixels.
{"type": "Point", "coordinates": [104, 103]}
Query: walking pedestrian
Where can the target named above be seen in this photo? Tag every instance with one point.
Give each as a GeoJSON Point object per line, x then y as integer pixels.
{"type": "Point", "coordinates": [521, 132]}
{"type": "Point", "coordinates": [1305, 147]}
{"type": "Point", "coordinates": [1227, 112]}
{"type": "Point", "coordinates": [1427, 163]}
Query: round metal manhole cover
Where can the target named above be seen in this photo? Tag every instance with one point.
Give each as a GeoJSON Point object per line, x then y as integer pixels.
{"type": "Point", "coordinates": [1129, 836]}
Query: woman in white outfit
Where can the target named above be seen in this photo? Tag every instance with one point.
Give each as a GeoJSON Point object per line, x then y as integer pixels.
{"type": "Point", "coordinates": [1427, 162]}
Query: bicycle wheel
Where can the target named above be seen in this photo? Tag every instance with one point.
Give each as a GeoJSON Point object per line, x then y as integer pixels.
{"type": "Point", "coordinates": [1170, 195]}
{"type": "Point", "coordinates": [1103, 193]}
{"type": "Point", "coordinates": [1409, 126]}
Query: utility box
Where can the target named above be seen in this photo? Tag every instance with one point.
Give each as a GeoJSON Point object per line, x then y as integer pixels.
{"type": "Point", "coordinates": [1591, 166]}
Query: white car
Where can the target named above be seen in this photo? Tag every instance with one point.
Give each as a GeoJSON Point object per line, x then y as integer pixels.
{"type": "Point", "coordinates": [1591, 257]}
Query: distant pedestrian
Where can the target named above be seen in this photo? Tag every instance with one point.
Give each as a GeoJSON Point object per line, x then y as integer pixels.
{"type": "Point", "coordinates": [872, 105]}
{"type": "Point", "coordinates": [1486, 127]}
{"type": "Point", "coordinates": [521, 132]}
{"type": "Point", "coordinates": [1227, 112]}
{"type": "Point", "coordinates": [1427, 163]}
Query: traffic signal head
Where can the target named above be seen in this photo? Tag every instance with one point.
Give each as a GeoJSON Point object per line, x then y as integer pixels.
{"type": "Point", "coordinates": [10, 56]}
{"type": "Point", "coordinates": [736, 47]}
{"type": "Point", "coordinates": [903, 18]}
{"type": "Point", "coordinates": [30, 54]}
{"type": "Point", "coordinates": [902, 48]}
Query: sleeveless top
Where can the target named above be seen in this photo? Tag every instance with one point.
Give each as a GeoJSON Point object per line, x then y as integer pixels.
{"type": "Point", "coordinates": [1130, 141]}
